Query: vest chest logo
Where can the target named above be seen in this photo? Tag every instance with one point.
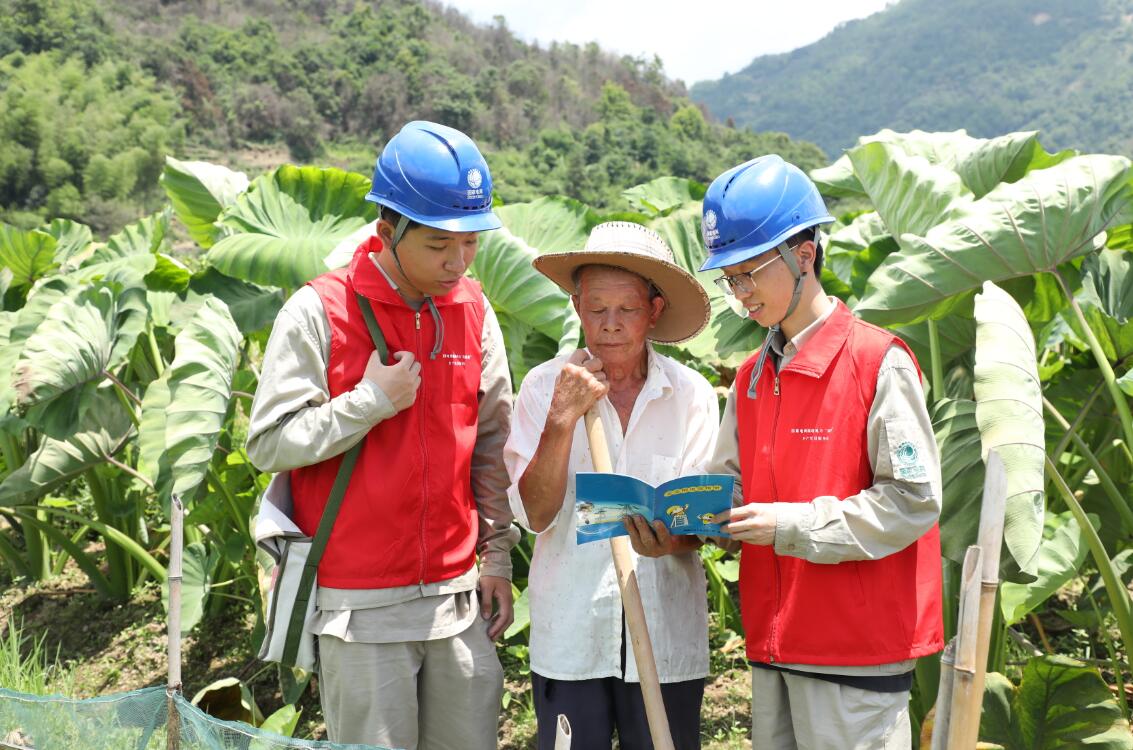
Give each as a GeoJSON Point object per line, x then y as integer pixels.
{"type": "Point", "coordinates": [812, 434]}
{"type": "Point", "coordinates": [454, 359]}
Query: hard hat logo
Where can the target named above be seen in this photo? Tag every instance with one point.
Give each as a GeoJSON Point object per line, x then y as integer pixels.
{"type": "Point", "coordinates": [474, 178]}
{"type": "Point", "coordinates": [710, 231]}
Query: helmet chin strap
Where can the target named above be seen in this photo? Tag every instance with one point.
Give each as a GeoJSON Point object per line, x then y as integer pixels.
{"type": "Point", "coordinates": [438, 340]}
{"type": "Point", "coordinates": [800, 276]}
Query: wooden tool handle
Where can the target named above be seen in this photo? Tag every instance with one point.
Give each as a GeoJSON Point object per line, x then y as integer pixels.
{"type": "Point", "coordinates": [631, 602]}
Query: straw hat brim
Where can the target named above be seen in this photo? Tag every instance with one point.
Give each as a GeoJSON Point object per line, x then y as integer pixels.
{"type": "Point", "coordinates": [687, 309]}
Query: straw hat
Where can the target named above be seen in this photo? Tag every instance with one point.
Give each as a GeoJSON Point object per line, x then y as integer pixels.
{"type": "Point", "coordinates": [634, 248]}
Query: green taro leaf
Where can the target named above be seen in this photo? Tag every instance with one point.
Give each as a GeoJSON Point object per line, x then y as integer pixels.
{"type": "Point", "coordinates": [1059, 558]}
{"type": "Point", "coordinates": [177, 443]}
{"type": "Point", "coordinates": [1059, 704]}
{"type": "Point", "coordinates": [287, 222]}
{"type": "Point", "coordinates": [1009, 413]}
{"type": "Point", "coordinates": [200, 191]}
{"type": "Point", "coordinates": [1108, 284]}
{"type": "Point", "coordinates": [104, 428]}
{"type": "Point", "coordinates": [168, 275]}
{"type": "Point", "coordinates": [1046, 218]}
{"type": "Point", "coordinates": [71, 238]}
{"type": "Point", "coordinates": [27, 254]}
{"type": "Point", "coordinates": [961, 471]}
{"type": "Point", "coordinates": [1004, 159]}
{"type": "Point", "coordinates": [658, 197]}
{"type": "Point", "coordinates": [147, 236]}
{"type": "Point", "coordinates": [552, 225]}
{"type": "Point", "coordinates": [910, 193]}
{"type": "Point", "coordinates": [253, 307]}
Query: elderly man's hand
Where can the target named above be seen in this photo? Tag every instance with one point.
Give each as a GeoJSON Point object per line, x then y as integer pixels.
{"type": "Point", "coordinates": [753, 523]}
{"type": "Point", "coordinates": [655, 540]}
{"type": "Point", "coordinates": [580, 385]}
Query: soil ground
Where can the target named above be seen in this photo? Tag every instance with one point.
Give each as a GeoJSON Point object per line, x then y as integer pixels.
{"type": "Point", "coordinates": [115, 647]}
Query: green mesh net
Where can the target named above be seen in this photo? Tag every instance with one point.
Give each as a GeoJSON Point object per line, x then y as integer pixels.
{"type": "Point", "coordinates": [138, 720]}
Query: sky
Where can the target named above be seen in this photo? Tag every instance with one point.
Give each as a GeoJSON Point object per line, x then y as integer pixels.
{"type": "Point", "coordinates": [697, 41]}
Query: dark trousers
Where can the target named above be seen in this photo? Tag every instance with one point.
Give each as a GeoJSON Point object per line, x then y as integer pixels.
{"type": "Point", "coordinates": [595, 708]}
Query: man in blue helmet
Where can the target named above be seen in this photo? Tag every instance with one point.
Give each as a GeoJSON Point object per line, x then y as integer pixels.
{"type": "Point", "coordinates": [404, 659]}
{"type": "Point", "coordinates": [827, 430]}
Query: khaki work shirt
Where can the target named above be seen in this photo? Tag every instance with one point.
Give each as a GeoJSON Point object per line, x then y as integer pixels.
{"type": "Point", "coordinates": [295, 422]}
{"type": "Point", "coordinates": [881, 519]}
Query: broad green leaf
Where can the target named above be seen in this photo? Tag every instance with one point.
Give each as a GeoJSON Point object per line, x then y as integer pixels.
{"type": "Point", "coordinates": [551, 225]}
{"type": "Point", "coordinates": [961, 471]}
{"type": "Point", "coordinates": [910, 193]}
{"type": "Point", "coordinates": [229, 699]}
{"type": "Point", "coordinates": [1059, 704]}
{"type": "Point", "coordinates": [147, 236]}
{"type": "Point", "coordinates": [28, 254]}
{"type": "Point", "coordinates": [282, 722]}
{"type": "Point", "coordinates": [1059, 558]}
{"type": "Point", "coordinates": [152, 461]}
{"type": "Point", "coordinates": [199, 192]}
{"type": "Point", "coordinates": [196, 581]}
{"type": "Point", "coordinates": [287, 222]}
{"type": "Point", "coordinates": [1107, 283]}
{"type": "Point", "coordinates": [1120, 237]}
{"type": "Point", "coordinates": [104, 430]}
{"type": "Point", "coordinates": [168, 275]}
{"type": "Point", "coordinates": [252, 307]}
{"type": "Point", "coordinates": [1004, 159]}
{"type": "Point", "coordinates": [944, 148]}
{"type": "Point", "coordinates": [1009, 412]}
{"type": "Point", "coordinates": [520, 293]}
{"type": "Point", "coordinates": [1116, 338]}
{"type": "Point", "coordinates": [659, 196]}
{"type": "Point", "coordinates": [71, 238]}
{"type": "Point", "coordinates": [522, 618]}
{"type": "Point", "coordinates": [83, 335]}
{"type": "Point", "coordinates": [200, 387]}
{"type": "Point", "coordinates": [1036, 224]}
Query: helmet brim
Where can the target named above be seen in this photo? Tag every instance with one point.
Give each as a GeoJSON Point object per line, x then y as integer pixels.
{"type": "Point", "coordinates": [747, 252]}
{"type": "Point", "coordinates": [479, 221]}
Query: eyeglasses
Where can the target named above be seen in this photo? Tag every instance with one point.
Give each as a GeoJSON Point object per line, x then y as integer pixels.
{"type": "Point", "coordinates": [742, 282]}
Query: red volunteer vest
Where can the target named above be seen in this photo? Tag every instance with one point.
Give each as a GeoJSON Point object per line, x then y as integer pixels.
{"type": "Point", "coordinates": [409, 515]}
{"type": "Point", "coordinates": [804, 435]}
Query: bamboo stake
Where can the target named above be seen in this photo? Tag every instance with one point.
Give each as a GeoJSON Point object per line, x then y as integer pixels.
{"type": "Point", "coordinates": [562, 733]}
{"type": "Point", "coordinates": [631, 602]}
{"type": "Point", "coordinates": [173, 622]}
{"type": "Point", "coordinates": [964, 670]}
{"type": "Point", "coordinates": [944, 697]}
{"type": "Point", "coordinates": [991, 542]}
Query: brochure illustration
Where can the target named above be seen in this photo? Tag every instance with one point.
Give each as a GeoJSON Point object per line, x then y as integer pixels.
{"type": "Point", "coordinates": [687, 504]}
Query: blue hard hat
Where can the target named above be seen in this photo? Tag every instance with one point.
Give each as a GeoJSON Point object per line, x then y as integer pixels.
{"type": "Point", "coordinates": [752, 208]}
{"type": "Point", "coordinates": [435, 175]}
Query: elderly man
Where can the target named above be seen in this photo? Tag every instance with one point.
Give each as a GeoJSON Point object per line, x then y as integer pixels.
{"type": "Point", "coordinates": [660, 419]}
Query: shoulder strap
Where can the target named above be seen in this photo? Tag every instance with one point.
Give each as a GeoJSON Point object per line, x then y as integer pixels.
{"type": "Point", "coordinates": [330, 512]}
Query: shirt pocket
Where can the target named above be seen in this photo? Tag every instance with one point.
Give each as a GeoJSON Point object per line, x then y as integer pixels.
{"type": "Point", "coordinates": [663, 468]}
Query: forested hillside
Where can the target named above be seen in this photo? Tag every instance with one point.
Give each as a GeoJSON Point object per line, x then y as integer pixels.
{"type": "Point", "coordinates": [1064, 67]}
{"type": "Point", "coordinates": [95, 94]}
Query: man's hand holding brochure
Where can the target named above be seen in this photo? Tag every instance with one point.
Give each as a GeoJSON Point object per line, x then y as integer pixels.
{"type": "Point", "coordinates": [686, 505]}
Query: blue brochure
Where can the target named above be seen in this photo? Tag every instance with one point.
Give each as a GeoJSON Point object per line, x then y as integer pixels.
{"type": "Point", "coordinates": [686, 504]}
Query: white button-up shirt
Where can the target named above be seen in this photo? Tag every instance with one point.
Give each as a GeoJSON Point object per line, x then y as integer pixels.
{"type": "Point", "coordinates": [576, 610]}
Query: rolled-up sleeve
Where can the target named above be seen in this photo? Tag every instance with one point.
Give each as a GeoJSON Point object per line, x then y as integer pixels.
{"type": "Point", "coordinates": [294, 422]}
{"type": "Point", "coordinates": [904, 501]}
{"type": "Point", "coordinates": [497, 534]}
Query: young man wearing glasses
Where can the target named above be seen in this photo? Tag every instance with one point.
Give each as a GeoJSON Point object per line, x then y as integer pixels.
{"type": "Point", "coordinates": [827, 430]}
